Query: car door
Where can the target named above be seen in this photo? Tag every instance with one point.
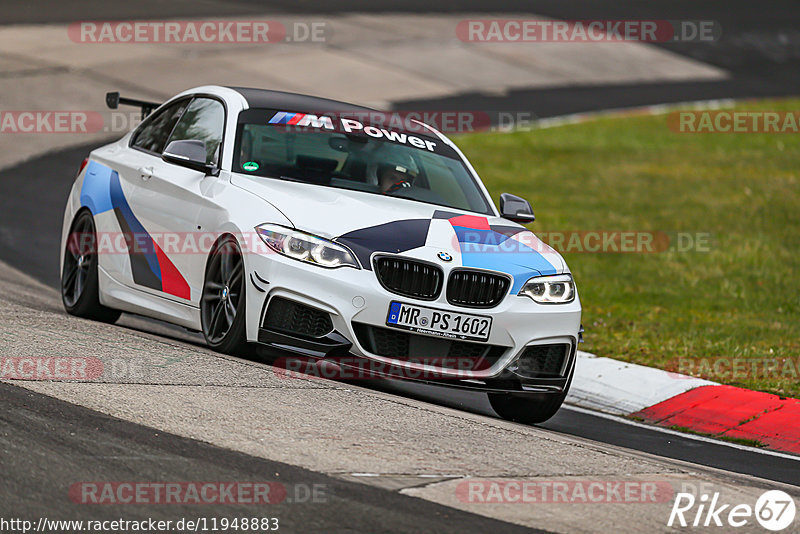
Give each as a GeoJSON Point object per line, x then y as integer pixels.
{"type": "Point", "coordinates": [135, 264]}
{"type": "Point", "coordinates": [177, 205]}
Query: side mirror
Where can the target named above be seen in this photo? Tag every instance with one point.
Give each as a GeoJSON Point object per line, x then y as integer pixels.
{"type": "Point", "coordinates": [189, 153]}
{"type": "Point", "coordinates": [516, 209]}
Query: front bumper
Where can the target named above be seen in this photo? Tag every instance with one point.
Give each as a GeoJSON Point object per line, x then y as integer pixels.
{"type": "Point", "coordinates": [355, 297]}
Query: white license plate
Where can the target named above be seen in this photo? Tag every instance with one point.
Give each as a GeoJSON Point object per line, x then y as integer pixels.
{"type": "Point", "coordinates": [441, 323]}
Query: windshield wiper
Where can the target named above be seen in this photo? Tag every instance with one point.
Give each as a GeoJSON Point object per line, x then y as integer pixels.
{"type": "Point", "coordinates": [293, 179]}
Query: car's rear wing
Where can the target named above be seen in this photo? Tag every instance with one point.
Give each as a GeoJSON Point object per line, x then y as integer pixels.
{"type": "Point", "coordinates": [113, 100]}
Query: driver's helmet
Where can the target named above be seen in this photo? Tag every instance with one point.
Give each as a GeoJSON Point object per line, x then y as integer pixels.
{"type": "Point", "coordinates": [402, 167]}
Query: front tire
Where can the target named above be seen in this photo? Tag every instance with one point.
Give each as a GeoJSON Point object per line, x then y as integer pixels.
{"type": "Point", "coordinates": [80, 289]}
{"type": "Point", "coordinates": [222, 306]}
{"type": "Point", "coordinates": [527, 410]}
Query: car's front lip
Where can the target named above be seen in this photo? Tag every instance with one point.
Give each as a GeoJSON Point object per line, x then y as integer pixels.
{"type": "Point", "coordinates": [497, 384]}
{"type": "Point", "coordinates": [518, 321]}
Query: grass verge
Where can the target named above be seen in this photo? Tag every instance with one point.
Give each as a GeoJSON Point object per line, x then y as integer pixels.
{"type": "Point", "coordinates": [728, 311]}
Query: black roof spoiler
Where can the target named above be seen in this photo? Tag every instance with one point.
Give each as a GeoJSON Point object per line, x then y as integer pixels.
{"type": "Point", "coordinates": [113, 100]}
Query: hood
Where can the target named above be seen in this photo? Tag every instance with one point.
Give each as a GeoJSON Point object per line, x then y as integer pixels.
{"type": "Point", "coordinates": [369, 223]}
{"type": "Point", "coordinates": [330, 212]}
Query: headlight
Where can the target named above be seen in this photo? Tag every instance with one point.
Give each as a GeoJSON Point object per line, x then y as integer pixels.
{"type": "Point", "coordinates": [557, 289]}
{"type": "Point", "coordinates": [306, 247]}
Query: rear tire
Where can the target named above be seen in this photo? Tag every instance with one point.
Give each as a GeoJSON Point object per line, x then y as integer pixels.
{"type": "Point", "coordinates": [222, 306]}
{"type": "Point", "coordinates": [80, 289]}
{"type": "Point", "coordinates": [526, 410]}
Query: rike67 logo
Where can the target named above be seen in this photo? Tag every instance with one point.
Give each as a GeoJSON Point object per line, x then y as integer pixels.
{"type": "Point", "coordinates": [774, 510]}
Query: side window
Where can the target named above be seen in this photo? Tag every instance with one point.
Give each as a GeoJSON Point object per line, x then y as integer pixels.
{"type": "Point", "coordinates": [153, 133]}
{"type": "Point", "coordinates": [203, 120]}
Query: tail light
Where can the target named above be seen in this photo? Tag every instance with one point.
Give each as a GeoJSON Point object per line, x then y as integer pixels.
{"type": "Point", "coordinates": [83, 165]}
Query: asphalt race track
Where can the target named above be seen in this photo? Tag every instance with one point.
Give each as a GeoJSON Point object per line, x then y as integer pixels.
{"type": "Point", "coordinates": [761, 45]}
{"type": "Point", "coordinates": [47, 444]}
{"type": "Point", "coordinates": [30, 243]}
{"type": "Point", "coordinates": [104, 446]}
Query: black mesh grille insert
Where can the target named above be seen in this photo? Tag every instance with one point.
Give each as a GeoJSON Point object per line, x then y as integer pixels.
{"type": "Point", "coordinates": [433, 351]}
{"type": "Point", "coordinates": [287, 316]}
{"type": "Point", "coordinates": [476, 289]}
{"type": "Point", "coordinates": [409, 278]}
{"type": "Point", "coordinates": [540, 361]}
{"type": "Point", "coordinates": [389, 343]}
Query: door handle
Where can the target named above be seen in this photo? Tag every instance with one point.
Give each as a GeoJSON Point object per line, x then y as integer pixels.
{"type": "Point", "coordinates": [146, 173]}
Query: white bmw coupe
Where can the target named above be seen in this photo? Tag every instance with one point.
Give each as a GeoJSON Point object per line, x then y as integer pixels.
{"type": "Point", "coordinates": [323, 230]}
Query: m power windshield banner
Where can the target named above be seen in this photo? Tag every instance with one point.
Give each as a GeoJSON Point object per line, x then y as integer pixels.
{"type": "Point", "coordinates": [376, 125]}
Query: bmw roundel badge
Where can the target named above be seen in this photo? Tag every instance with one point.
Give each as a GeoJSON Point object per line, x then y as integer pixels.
{"type": "Point", "coordinates": [444, 256]}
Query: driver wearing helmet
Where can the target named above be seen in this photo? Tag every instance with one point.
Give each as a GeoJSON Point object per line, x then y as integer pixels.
{"type": "Point", "coordinates": [395, 172]}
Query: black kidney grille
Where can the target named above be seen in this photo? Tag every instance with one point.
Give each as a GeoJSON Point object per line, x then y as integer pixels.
{"type": "Point", "coordinates": [409, 278]}
{"type": "Point", "coordinates": [476, 289]}
{"type": "Point", "coordinates": [287, 316]}
{"type": "Point", "coordinates": [540, 361]}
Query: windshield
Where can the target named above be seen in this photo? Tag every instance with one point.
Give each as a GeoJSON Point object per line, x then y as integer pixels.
{"type": "Point", "coordinates": [345, 153]}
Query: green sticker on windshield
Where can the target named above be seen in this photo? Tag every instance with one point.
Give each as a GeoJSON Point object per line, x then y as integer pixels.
{"type": "Point", "coordinates": [250, 166]}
